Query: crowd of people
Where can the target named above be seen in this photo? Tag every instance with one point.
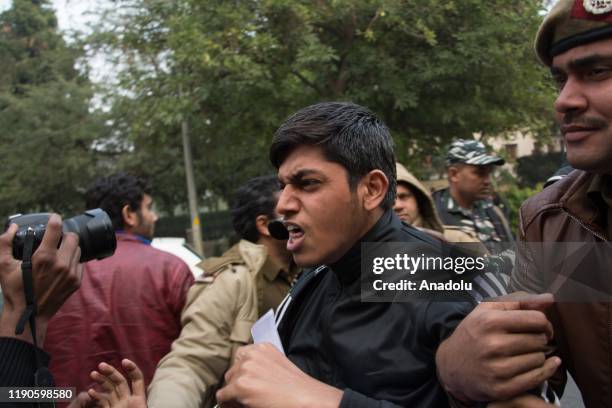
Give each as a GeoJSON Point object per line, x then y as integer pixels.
{"type": "Point", "coordinates": [136, 330]}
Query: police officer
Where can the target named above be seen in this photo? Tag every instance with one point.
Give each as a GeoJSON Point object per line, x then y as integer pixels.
{"type": "Point", "coordinates": [236, 289]}
{"type": "Point", "coordinates": [466, 202]}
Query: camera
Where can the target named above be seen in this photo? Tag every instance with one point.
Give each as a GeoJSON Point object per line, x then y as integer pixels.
{"type": "Point", "coordinates": [94, 228]}
{"type": "Point", "coordinates": [278, 230]}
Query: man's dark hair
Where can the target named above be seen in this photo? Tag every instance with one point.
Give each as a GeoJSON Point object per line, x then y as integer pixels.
{"type": "Point", "coordinates": [256, 197]}
{"type": "Point", "coordinates": [112, 193]}
{"type": "Point", "coordinates": [349, 135]}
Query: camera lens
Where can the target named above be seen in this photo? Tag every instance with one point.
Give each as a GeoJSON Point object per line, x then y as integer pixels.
{"type": "Point", "coordinates": [94, 228]}
{"type": "Point", "coordinates": [96, 234]}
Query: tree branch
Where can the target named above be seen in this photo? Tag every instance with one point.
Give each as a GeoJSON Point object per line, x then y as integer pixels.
{"type": "Point", "coordinates": [307, 82]}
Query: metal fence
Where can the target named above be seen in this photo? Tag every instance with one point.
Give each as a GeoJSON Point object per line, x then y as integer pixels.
{"type": "Point", "coordinates": [215, 225]}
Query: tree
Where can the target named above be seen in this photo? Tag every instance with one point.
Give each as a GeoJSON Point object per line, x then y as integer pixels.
{"type": "Point", "coordinates": [47, 137]}
{"type": "Point", "coordinates": [433, 71]}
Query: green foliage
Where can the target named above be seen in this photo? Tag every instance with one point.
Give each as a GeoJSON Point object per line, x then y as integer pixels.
{"type": "Point", "coordinates": [47, 129]}
{"type": "Point", "coordinates": [514, 197]}
{"type": "Point", "coordinates": [433, 71]}
{"type": "Point", "coordinates": [537, 168]}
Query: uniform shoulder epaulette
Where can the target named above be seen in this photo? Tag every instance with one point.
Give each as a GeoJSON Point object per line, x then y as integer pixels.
{"type": "Point", "coordinates": [213, 266]}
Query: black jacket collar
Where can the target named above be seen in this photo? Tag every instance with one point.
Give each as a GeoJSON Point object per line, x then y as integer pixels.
{"type": "Point", "coordinates": [387, 229]}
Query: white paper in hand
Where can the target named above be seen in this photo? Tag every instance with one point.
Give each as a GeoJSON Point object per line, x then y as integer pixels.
{"type": "Point", "coordinates": [264, 331]}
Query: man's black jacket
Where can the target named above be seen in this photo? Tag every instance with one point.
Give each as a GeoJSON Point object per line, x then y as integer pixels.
{"type": "Point", "coordinates": [380, 354]}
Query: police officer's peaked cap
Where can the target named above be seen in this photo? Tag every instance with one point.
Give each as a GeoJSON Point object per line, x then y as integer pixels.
{"type": "Point", "coordinates": [571, 23]}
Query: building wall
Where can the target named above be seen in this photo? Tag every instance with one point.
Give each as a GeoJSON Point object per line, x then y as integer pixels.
{"type": "Point", "coordinates": [519, 144]}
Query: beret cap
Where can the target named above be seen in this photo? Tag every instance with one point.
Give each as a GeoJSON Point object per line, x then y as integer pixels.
{"type": "Point", "coordinates": [571, 23]}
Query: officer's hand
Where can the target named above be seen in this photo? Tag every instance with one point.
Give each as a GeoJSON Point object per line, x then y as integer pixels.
{"type": "Point", "coordinates": [117, 392]}
{"type": "Point", "coordinates": [83, 400]}
{"type": "Point", "coordinates": [56, 274]}
{"type": "Point", "coordinates": [498, 350]}
{"type": "Point", "coordinates": [262, 377]}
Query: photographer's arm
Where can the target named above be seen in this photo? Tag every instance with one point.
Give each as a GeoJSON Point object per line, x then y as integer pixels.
{"type": "Point", "coordinates": [56, 275]}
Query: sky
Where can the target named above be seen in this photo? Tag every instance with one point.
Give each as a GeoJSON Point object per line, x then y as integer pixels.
{"type": "Point", "coordinates": [70, 13]}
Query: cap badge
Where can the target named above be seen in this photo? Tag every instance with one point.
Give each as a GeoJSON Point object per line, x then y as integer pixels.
{"type": "Point", "coordinates": [598, 7]}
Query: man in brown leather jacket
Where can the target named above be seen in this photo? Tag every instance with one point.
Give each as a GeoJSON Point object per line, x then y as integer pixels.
{"type": "Point", "coordinates": [565, 231]}
{"type": "Point", "coordinates": [575, 41]}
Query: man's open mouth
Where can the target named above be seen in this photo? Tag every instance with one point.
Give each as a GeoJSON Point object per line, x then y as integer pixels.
{"type": "Point", "coordinates": [296, 237]}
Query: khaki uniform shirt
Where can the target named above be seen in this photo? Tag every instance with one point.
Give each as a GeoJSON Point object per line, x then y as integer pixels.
{"type": "Point", "coordinates": [274, 286]}
{"type": "Point", "coordinates": [221, 308]}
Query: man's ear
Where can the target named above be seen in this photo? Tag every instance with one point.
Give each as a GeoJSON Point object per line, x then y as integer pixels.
{"type": "Point", "coordinates": [451, 173]}
{"type": "Point", "coordinates": [374, 186]}
{"type": "Point", "coordinates": [130, 218]}
{"type": "Point", "coordinates": [261, 223]}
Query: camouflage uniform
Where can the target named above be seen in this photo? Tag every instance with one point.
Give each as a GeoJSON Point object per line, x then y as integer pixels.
{"type": "Point", "coordinates": [484, 219]}
{"type": "Point", "coordinates": [474, 222]}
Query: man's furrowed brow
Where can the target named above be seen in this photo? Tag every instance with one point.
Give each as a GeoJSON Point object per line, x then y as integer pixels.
{"type": "Point", "coordinates": [300, 174]}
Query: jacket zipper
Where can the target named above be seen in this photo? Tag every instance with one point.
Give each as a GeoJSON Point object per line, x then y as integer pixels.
{"type": "Point", "coordinates": [587, 228]}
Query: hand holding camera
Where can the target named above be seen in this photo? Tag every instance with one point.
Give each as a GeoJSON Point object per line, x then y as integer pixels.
{"type": "Point", "coordinates": [57, 250]}
{"type": "Point", "coordinates": [94, 229]}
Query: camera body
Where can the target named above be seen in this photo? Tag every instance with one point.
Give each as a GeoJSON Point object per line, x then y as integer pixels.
{"type": "Point", "coordinates": [94, 228]}
{"type": "Point", "coordinates": [278, 230]}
